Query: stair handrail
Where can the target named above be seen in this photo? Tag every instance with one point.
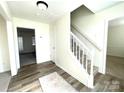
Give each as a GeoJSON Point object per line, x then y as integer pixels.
{"type": "Point", "coordinates": [88, 51]}
{"type": "Point", "coordinates": [87, 38]}
{"type": "Point", "coordinates": [84, 56]}
{"type": "Point", "coordinates": [81, 43]}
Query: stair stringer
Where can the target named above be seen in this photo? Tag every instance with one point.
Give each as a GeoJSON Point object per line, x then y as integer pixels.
{"type": "Point", "coordinates": [89, 79]}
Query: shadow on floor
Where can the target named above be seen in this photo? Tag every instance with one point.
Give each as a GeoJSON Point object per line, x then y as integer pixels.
{"type": "Point", "coordinates": [27, 59]}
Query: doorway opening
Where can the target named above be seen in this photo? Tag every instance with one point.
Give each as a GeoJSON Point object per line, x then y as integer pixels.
{"type": "Point", "coordinates": [115, 48]}
{"type": "Point", "coordinates": [26, 46]}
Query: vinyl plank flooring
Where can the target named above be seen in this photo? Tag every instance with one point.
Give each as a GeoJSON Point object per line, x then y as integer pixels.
{"type": "Point", "coordinates": [27, 79]}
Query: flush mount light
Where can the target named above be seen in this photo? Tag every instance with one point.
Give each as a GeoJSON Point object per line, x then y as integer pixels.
{"type": "Point", "coordinates": [42, 5]}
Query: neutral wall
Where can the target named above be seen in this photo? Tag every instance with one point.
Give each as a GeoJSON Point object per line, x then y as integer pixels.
{"type": "Point", "coordinates": [41, 36]}
{"type": "Point", "coordinates": [5, 12]}
{"type": "Point", "coordinates": [115, 41]}
{"type": "Point", "coordinates": [95, 27]}
{"type": "Point", "coordinates": [96, 30]}
{"type": "Point", "coordinates": [86, 22]}
{"type": "Point", "coordinates": [64, 57]}
{"type": "Point", "coordinates": [4, 51]}
{"type": "Point", "coordinates": [52, 42]}
{"type": "Point", "coordinates": [27, 35]}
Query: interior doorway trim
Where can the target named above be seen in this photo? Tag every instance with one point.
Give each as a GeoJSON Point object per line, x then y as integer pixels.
{"type": "Point", "coordinates": [19, 64]}
{"type": "Point", "coordinates": [5, 12]}
{"type": "Point", "coordinates": [105, 42]}
{"type": "Point", "coordinates": [16, 43]}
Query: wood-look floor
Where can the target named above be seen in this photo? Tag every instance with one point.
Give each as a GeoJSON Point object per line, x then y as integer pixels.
{"type": "Point", "coordinates": [115, 66]}
{"type": "Point", "coordinates": [27, 79]}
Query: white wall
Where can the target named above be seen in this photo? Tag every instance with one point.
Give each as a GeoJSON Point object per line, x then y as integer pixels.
{"type": "Point", "coordinates": [52, 43]}
{"type": "Point", "coordinates": [41, 36]}
{"type": "Point", "coordinates": [89, 46]}
{"type": "Point", "coordinates": [95, 26]}
{"type": "Point", "coordinates": [89, 24]}
{"type": "Point", "coordinates": [5, 12]}
{"type": "Point", "coordinates": [4, 50]}
{"type": "Point", "coordinates": [95, 29]}
{"type": "Point", "coordinates": [64, 57]}
{"type": "Point", "coordinates": [115, 41]}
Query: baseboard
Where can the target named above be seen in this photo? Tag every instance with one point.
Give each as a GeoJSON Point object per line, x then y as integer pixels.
{"type": "Point", "coordinates": [115, 56]}
{"type": "Point", "coordinates": [85, 82]}
{"type": "Point", "coordinates": [101, 71]}
{"type": "Point", "coordinates": [5, 71]}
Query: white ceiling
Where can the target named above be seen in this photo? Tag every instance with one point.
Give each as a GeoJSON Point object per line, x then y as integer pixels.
{"type": "Point", "coordinates": [27, 9]}
{"type": "Point", "coordinates": [99, 5]}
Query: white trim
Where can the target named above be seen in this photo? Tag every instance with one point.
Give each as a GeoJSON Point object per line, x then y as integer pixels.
{"type": "Point", "coordinates": [55, 45]}
{"type": "Point", "coordinates": [4, 11]}
{"type": "Point", "coordinates": [16, 48]}
{"type": "Point", "coordinates": [87, 38]}
{"type": "Point", "coordinates": [16, 44]}
{"type": "Point", "coordinates": [80, 42]}
{"type": "Point", "coordinates": [88, 53]}
{"type": "Point", "coordinates": [11, 48]}
{"type": "Point", "coordinates": [103, 69]}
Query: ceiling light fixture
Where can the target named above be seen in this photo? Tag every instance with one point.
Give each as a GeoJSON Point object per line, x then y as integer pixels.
{"type": "Point", "coordinates": [42, 5]}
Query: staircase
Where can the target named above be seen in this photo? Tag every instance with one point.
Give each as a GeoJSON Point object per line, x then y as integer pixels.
{"type": "Point", "coordinates": [84, 57]}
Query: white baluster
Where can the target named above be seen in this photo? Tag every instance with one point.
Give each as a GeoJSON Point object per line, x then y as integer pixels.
{"type": "Point", "coordinates": [86, 56]}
